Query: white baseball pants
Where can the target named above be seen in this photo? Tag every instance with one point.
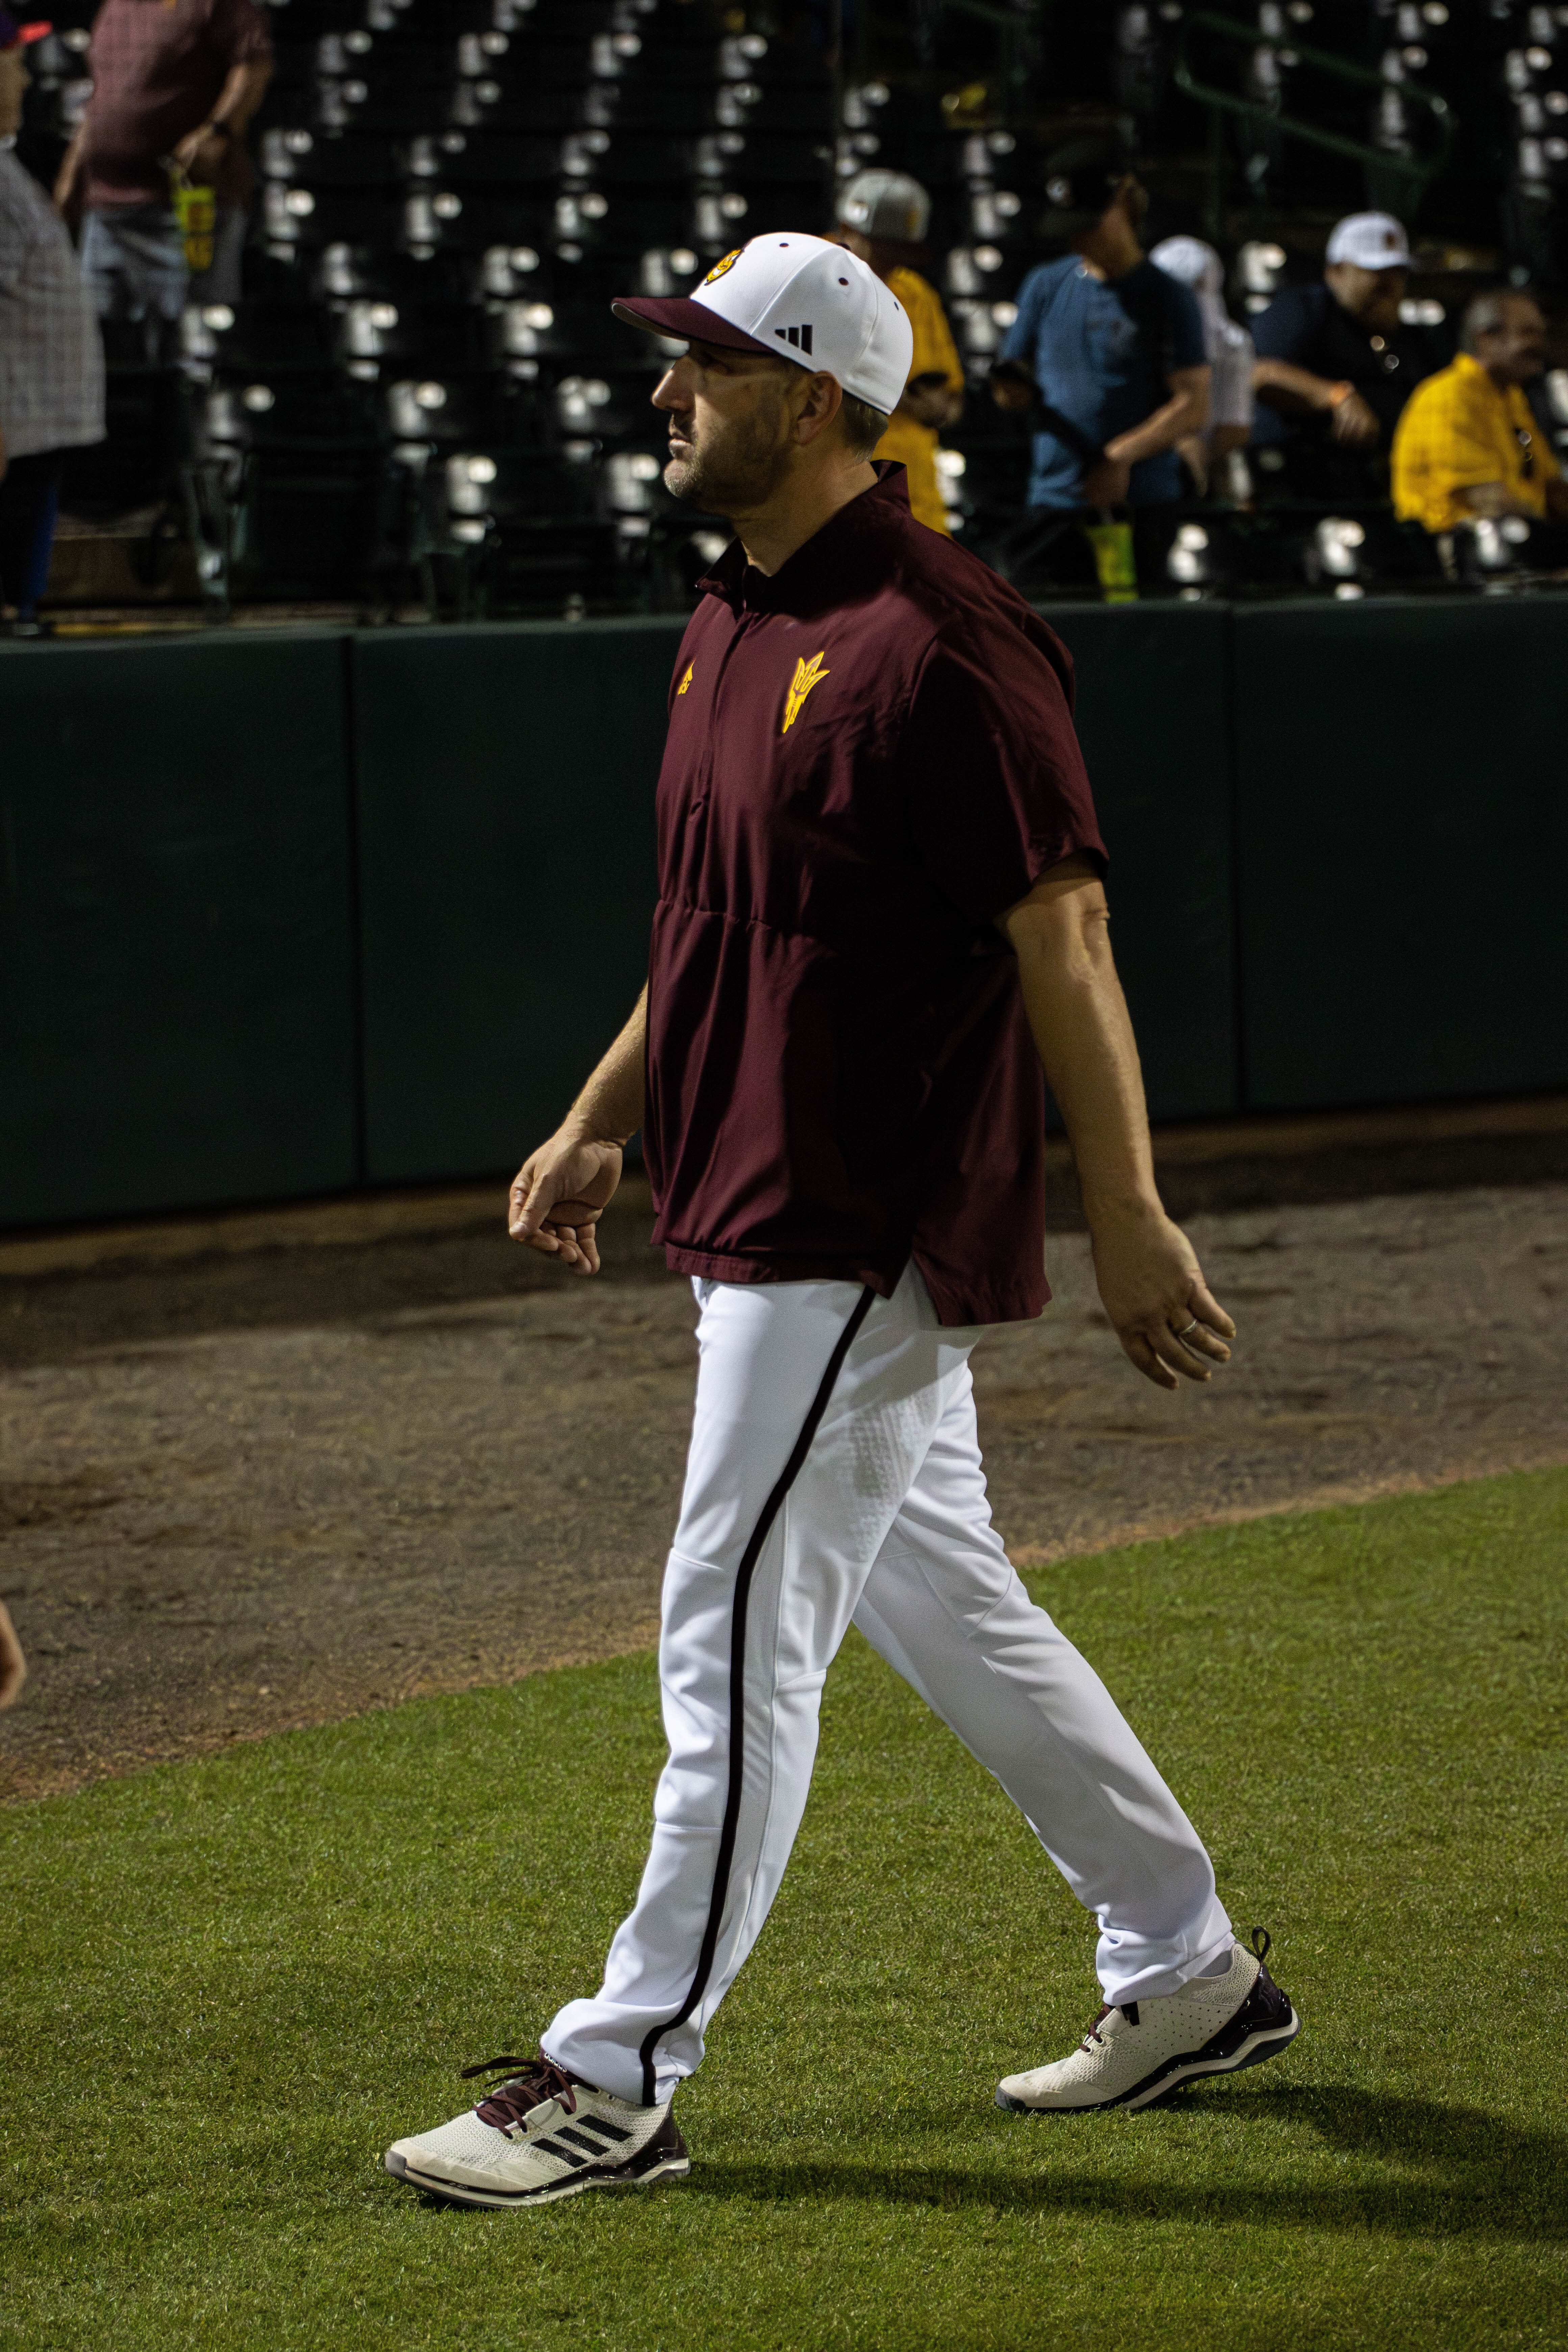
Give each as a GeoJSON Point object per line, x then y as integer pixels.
{"type": "Point", "coordinates": [835, 1475]}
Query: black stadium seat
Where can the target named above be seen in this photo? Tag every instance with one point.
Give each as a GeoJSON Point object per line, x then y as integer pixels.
{"type": "Point", "coordinates": [452, 191]}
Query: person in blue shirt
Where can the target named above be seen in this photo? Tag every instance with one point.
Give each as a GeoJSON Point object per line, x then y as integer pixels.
{"type": "Point", "coordinates": [1106, 349]}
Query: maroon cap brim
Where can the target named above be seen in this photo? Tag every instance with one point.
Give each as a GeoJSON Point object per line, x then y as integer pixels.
{"type": "Point", "coordinates": [676, 315]}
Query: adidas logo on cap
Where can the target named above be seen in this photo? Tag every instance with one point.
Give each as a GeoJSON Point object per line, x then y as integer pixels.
{"type": "Point", "coordinates": [853, 327]}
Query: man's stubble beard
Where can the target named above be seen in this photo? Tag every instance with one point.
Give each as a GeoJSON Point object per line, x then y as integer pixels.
{"type": "Point", "coordinates": [734, 470]}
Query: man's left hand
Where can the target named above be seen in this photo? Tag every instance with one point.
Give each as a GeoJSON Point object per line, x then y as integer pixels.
{"type": "Point", "coordinates": [1105, 484]}
{"type": "Point", "coordinates": [931, 400]}
{"type": "Point", "coordinates": [1164, 1314]}
{"type": "Point", "coordinates": [200, 153]}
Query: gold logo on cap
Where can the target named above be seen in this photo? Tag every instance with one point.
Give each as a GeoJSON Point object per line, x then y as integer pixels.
{"type": "Point", "coordinates": [687, 679]}
{"type": "Point", "coordinates": [720, 267]}
{"type": "Point", "coordinates": [808, 673]}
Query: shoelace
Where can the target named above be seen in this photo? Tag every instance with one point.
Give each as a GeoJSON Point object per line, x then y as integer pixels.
{"type": "Point", "coordinates": [534, 2080]}
{"type": "Point", "coordinates": [1262, 1944]}
{"type": "Point", "coordinates": [1107, 2008]}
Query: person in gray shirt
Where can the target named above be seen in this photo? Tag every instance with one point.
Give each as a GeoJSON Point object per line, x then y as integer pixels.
{"type": "Point", "coordinates": [51, 354]}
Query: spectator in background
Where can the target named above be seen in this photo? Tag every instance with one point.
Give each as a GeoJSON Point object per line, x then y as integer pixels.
{"type": "Point", "coordinates": [1335, 365]}
{"type": "Point", "coordinates": [51, 359]}
{"type": "Point", "coordinates": [1469, 443]}
{"type": "Point", "coordinates": [1198, 267]}
{"type": "Point", "coordinates": [1110, 352]}
{"type": "Point", "coordinates": [881, 215]}
{"type": "Point", "coordinates": [172, 81]}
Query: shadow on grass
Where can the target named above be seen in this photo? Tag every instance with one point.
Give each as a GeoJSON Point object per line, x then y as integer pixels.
{"type": "Point", "coordinates": [1458, 2173]}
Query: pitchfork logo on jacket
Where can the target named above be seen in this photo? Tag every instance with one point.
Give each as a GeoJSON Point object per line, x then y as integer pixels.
{"type": "Point", "coordinates": [808, 673]}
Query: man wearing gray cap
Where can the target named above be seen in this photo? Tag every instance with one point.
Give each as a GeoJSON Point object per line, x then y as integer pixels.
{"type": "Point", "coordinates": [883, 217]}
{"type": "Point", "coordinates": [1335, 364]}
{"type": "Point", "coordinates": [879, 910]}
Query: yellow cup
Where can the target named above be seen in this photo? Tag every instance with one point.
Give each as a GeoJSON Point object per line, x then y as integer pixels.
{"type": "Point", "coordinates": [196, 209]}
{"type": "Point", "coordinates": [1112, 545]}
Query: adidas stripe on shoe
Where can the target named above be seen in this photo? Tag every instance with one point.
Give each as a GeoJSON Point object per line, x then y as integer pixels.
{"type": "Point", "coordinates": [1135, 2054]}
{"type": "Point", "coordinates": [543, 2135]}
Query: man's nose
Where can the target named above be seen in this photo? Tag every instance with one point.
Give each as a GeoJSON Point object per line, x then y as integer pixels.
{"type": "Point", "coordinates": [670, 391]}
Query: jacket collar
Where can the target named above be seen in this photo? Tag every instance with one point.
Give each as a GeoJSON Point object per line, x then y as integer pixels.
{"type": "Point", "coordinates": [1465, 364]}
{"type": "Point", "coordinates": [829, 565]}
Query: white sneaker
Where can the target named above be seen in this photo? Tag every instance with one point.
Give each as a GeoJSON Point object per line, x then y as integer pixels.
{"type": "Point", "coordinates": [1132, 2055]}
{"type": "Point", "coordinates": [543, 2135]}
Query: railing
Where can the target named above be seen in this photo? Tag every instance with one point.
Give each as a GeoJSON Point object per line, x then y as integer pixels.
{"type": "Point", "coordinates": [1413, 170]}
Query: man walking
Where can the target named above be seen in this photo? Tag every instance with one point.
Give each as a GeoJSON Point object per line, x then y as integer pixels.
{"type": "Point", "coordinates": [879, 894]}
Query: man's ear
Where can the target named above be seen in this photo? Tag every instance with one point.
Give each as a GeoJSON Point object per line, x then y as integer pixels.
{"type": "Point", "coordinates": [1133, 198]}
{"type": "Point", "coordinates": [817, 403]}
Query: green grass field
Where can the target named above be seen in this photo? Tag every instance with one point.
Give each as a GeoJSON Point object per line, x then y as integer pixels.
{"type": "Point", "coordinates": [227, 1984]}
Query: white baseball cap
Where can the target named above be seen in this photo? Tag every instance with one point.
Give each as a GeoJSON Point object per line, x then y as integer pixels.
{"type": "Point", "coordinates": [801, 298]}
{"type": "Point", "coordinates": [1371, 240]}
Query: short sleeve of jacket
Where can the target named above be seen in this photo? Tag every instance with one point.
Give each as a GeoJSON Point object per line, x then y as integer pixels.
{"type": "Point", "coordinates": [239, 33]}
{"type": "Point", "coordinates": [1285, 329]}
{"type": "Point", "coordinates": [1018, 342]}
{"type": "Point", "coordinates": [1186, 344]}
{"type": "Point", "coordinates": [994, 786]}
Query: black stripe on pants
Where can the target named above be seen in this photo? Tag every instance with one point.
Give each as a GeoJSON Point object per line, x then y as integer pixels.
{"type": "Point", "coordinates": [744, 1575]}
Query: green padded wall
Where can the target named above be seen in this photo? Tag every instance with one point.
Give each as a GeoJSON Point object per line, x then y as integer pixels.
{"type": "Point", "coordinates": [178, 1018]}
{"type": "Point", "coordinates": [195, 944]}
{"type": "Point", "coordinates": [1403, 840]}
{"type": "Point", "coordinates": [505, 779]}
{"type": "Point", "coordinates": [1153, 717]}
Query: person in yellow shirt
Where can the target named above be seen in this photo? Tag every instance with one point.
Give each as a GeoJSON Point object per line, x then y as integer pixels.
{"type": "Point", "coordinates": [1467, 442]}
{"type": "Point", "coordinates": [880, 216]}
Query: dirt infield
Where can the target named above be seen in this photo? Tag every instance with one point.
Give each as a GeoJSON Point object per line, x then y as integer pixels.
{"type": "Point", "coordinates": [262, 1486]}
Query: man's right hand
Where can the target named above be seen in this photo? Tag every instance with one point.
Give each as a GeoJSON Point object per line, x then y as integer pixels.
{"type": "Point", "coordinates": [68, 187]}
{"type": "Point", "coordinates": [1013, 384]}
{"type": "Point", "coordinates": [13, 1664]}
{"type": "Point", "coordinates": [1354, 420]}
{"type": "Point", "coordinates": [561, 1192]}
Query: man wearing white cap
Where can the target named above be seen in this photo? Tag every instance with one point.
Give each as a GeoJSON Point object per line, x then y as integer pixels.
{"type": "Point", "coordinates": [1335, 365]}
{"type": "Point", "coordinates": [1229, 352]}
{"type": "Point", "coordinates": [879, 895]}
